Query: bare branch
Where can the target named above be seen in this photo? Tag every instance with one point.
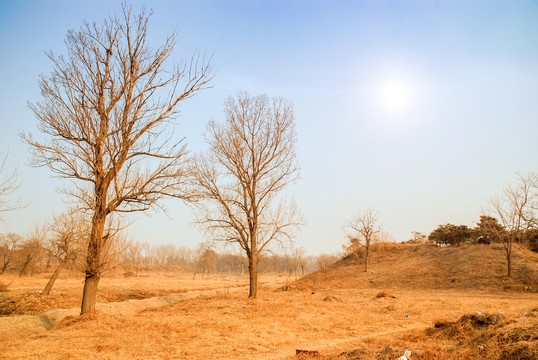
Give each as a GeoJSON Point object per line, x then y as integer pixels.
{"type": "Point", "coordinates": [9, 183]}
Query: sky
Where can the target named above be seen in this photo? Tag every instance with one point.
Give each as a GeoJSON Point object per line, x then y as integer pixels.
{"type": "Point", "coordinates": [422, 110]}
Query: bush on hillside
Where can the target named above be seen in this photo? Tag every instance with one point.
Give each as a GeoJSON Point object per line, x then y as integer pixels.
{"type": "Point", "coordinates": [450, 234]}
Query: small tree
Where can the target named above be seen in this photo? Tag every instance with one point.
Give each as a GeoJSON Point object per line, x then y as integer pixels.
{"type": "Point", "coordinates": [205, 259]}
{"type": "Point", "coordinates": [106, 110]}
{"type": "Point", "coordinates": [489, 230]}
{"type": "Point", "coordinates": [418, 237]}
{"type": "Point", "coordinates": [68, 234]}
{"type": "Point", "coordinates": [450, 234]}
{"type": "Point", "coordinates": [516, 209]}
{"type": "Point", "coordinates": [299, 260]}
{"type": "Point", "coordinates": [9, 244]}
{"type": "Point", "coordinates": [361, 231]}
{"type": "Point", "coordinates": [251, 159]}
{"type": "Point", "coordinates": [32, 247]}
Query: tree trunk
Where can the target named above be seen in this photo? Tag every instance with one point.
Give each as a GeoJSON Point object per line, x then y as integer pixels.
{"type": "Point", "coordinates": [4, 267]}
{"type": "Point", "coordinates": [509, 258]}
{"type": "Point", "coordinates": [53, 278]}
{"type": "Point", "coordinates": [253, 271]}
{"type": "Point", "coordinates": [367, 253]}
{"type": "Point", "coordinates": [89, 294]}
{"type": "Point", "coordinates": [25, 265]}
{"type": "Point", "coordinates": [93, 264]}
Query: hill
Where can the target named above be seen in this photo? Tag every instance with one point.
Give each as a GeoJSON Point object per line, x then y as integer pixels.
{"type": "Point", "coordinates": [426, 266]}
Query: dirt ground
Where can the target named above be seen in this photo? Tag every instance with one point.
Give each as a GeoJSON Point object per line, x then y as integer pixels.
{"type": "Point", "coordinates": [450, 303]}
{"type": "Point", "coordinates": [220, 322]}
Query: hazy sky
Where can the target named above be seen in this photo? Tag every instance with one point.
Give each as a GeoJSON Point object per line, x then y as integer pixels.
{"type": "Point", "coordinates": [420, 109]}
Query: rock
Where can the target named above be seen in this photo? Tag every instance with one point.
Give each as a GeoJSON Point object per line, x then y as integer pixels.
{"type": "Point", "coordinates": [419, 353]}
{"type": "Point", "coordinates": [494, 319]}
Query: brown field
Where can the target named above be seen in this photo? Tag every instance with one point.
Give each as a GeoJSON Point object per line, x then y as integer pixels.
{"type": "Point", "coordinates": [420, 298]}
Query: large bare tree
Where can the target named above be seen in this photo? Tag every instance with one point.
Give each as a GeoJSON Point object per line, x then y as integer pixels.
{"type": "Point", "coordinates": [251, 159]}
{"type": "Point", "coordinates": [362, 230]}
{"type": "Point", "coordinates": [107, 112]}
{"type": "Point", "coordinates": [516, 210]}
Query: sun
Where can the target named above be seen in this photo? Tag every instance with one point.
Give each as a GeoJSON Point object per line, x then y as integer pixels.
{"type": "Point", "coordinates": [395, 96]}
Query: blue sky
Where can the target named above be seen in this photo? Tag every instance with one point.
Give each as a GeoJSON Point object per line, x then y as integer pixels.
{"type": "Point", "coordinates": [470, 68]}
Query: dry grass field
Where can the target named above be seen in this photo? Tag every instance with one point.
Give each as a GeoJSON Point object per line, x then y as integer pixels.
{"type": "Point", "coordinates": [422, 298]}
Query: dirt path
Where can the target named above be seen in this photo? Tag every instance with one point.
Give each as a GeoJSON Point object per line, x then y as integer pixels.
{"type": "Point", "coordinates": [47, 320]}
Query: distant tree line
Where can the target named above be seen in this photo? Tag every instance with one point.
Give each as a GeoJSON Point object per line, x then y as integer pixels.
{"type": "Point", "coordinates": [51, 250]}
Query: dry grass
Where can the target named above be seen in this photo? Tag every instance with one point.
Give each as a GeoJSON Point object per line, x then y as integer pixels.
{"type": "Point", "coordinates": [329, 316]}
{"type": "Point", "coordinates": [23, 297]}
{"type": "Point", "coordinates": [229, 326]}
{"type": "Point", "coordinates": [421, 267]}
{"type": "Point", "coordinates": [4, 286]}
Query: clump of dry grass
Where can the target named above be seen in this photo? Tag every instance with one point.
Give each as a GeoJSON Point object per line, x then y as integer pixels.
{"type": "Point", "coordinates": [384, 294]}
{"type": "Point", "coordinates": [4, 286]}
{"type": "Point", "coordinates": [81, 319]}
{"type": "Point", "coordinates": [488, 337]}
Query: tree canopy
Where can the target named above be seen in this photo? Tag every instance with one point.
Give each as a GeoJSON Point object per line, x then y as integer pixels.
{"type": "Point", "coordinates": [450, 234]}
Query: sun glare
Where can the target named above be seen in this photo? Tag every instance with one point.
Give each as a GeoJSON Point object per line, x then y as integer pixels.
{"type": "Point", "coordinates": [395, 96]}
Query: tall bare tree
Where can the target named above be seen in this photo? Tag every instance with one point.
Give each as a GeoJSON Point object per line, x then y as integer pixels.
{"type": "Point", "coordinates": [251, 159]}
{"type": "Point", "coordinates": [362, 230]}
{"type": "Point", "coordinates": [516, 210]}
{"type": "Point", "coordinates": [107, 109]}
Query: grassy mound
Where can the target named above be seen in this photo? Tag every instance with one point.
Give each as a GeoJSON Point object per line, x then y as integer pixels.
{"type": "Point", "coordinates": [425, 266]}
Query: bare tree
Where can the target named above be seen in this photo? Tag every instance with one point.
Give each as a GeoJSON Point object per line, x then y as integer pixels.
{"type": "Point", "coordinates": [32, 247]}
{"type": "Point", "coordinates": [325, 260]}
{"type": "Point", "coordinates": [205, 259]}
{"type": "Point", "coordinates": [362, 230]}
{"type": "Point", "coordinates": [107, 109]}
{"type": "Point", "coordinates": [516, 210]}
{"type": "Point", "coordinates": [9, 183]}
{"type": "Point", "coordinates": [68, 234]}
{"type": "Point", "coordinates": [251, 159]}
{"type": "Point", "coordinates": [418, 237]}
{"type": "Point", "coordinates": [299, 260]}
{"type": "Point", "coordinates": [9, 244]}
{"type": "Point", "coordinates": [132, 254]}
